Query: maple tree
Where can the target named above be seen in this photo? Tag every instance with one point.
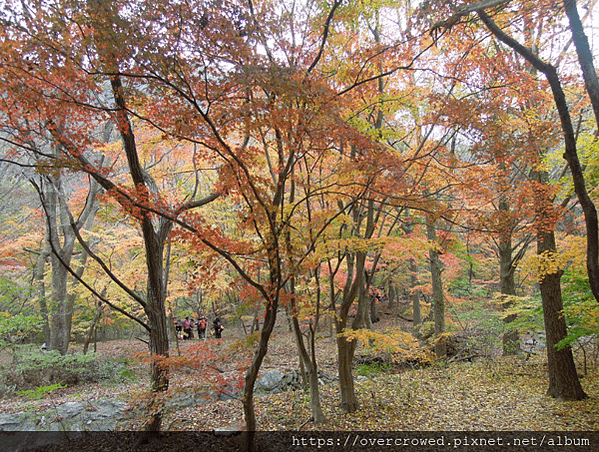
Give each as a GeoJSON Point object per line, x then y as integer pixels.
{"type": "Point", "coordinates": [327, 147]}
{"type": "Point", "coordinates": [551, 73]}
{"type": "Point", "coordinates": [172, 106]}
{"type": "Point", "coordinates": [31, 117]}
{"type": "Point", "coordinates": [563, 380]}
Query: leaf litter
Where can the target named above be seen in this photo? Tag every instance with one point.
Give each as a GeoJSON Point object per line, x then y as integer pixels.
{"type": "Point", "coordinates": [507, 393]}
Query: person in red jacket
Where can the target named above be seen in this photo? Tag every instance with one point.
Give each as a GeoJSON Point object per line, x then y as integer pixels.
{"type": "Point", "coordinates": [202, 327]}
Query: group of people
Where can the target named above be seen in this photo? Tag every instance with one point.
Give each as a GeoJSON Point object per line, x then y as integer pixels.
{"type": "Point", "coordinates": [185, 327]}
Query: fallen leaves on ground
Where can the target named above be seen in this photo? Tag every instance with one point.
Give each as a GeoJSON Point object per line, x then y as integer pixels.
{"type": "Point", "coordinates": [500, 394]}
{"type": "Point", "coordinates": [506, 394]}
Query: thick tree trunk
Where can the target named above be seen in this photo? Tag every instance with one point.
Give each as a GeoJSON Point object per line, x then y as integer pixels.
{"type": "Point", "coordinates": [438, 298]}
{"type": "Point", "coordinates": [392, 305]}
{"type": "Point", "coordinates": [159, 373]}
{"type": "Point", "coordinates": [374, 310]}
{"type": "Point", "coordinates": [61, 311]}
{"type": "Point", "coordinates": [355, 283]}
{"type": "Point", "coordinates": [563, 378]}
{"type": "Point", "coordinates": [345, 348]}
{"type": "Point", "coordinates": [38, 277]}
{"type": "Point", "coordinates": [362, 319]}
{"type": "Point", "coordinates": [155, 309]}
{"type": "Point", "coordinates": [345, 351]}
{"type": "Point", "coordinates": [571, 153]}
{"type": "Point", "coordinates": [154, 245]}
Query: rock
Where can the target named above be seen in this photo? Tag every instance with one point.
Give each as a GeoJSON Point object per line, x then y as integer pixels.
{"type": "Point", "coordinates": [275, 381]}
{"type": "Point", "coordinates": [101, 415]}
{"type": "Point", "coordinates": [271, 380]}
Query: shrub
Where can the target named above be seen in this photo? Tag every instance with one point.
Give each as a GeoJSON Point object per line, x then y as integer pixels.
{"type": "Point", "coordinates": [33, 369]}
{"type": "Point", "coordinates": [40, 392]}
{"type": "Point", "coordinates": [372, 369]}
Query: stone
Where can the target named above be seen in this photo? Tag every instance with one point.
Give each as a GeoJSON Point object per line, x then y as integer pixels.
{"type": "Point", "coordinates": [271, 380]}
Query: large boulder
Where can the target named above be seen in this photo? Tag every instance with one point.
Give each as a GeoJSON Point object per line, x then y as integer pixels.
{"type": "Point", "coordinates": [272, 380]}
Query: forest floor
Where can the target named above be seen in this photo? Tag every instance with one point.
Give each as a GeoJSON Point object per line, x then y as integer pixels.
{"type": "Point", "coordinates": [504, 393]}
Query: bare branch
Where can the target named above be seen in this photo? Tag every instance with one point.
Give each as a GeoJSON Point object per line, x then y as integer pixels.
{"type": "Point", "coordinates": [466, 10]}
{"type": "Point", "coordinates": [325, 35]}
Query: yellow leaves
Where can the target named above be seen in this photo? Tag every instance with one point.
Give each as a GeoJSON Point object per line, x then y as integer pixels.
{"type": "Point", "coordinates": [541, 265]}
{"type": "Point", "coordinates": [394, 341]}
{"type": "Point", "coordinates": [586, 313]}
{"type": "Point", "coordinates": [442, 338]}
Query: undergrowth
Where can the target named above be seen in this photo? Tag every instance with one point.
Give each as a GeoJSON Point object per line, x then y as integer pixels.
{"type": "Point", "coordinates": [34, 373]}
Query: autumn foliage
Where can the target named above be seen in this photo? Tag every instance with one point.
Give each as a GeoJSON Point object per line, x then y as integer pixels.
{"type": "Point", "coordinates": [259, 159]}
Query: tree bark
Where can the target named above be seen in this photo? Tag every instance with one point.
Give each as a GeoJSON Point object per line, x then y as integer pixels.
{"type": "Point", "coordinates": [154, 243]}
{"type": "Point", "coordinates": [563, 379]}
{"type": "Point", "coordinates": [392, 304]}
{"type": "Point", "coordinates": [414, 295]}
{"type": "Point", "coordinates": [585, 56]}
{"type": "Point", "coordinates": [58, 223]}
{"type": "Point", "coordinates": [438, 298]}
{"type": "Point", "coordinates": [345, 348]}
{"type": "Point", "coordinates": [570, 154]}
{"type": "Point", "coordinates": [38, 277]}
{"type": "Point", "coordinates": [511, 338]}
{"type": "Point", "coordinates": [311, 364]}
{"type": "Point", "coordinates": [252, 373]}
{"type": "Point", "coordinates": [345, 351]}
{"type": "Point", "coordinates": [92, 327]}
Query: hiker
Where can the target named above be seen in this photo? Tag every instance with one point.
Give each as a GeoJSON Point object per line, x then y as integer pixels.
{"type": "Point", "coordinates": [218, 328]}
{"type": "Point", "coordinates": [178, 328]}
{"type": "Point", "coordinates": [187, 329]}
{"type": "Point", "coordinates": [201, 327]}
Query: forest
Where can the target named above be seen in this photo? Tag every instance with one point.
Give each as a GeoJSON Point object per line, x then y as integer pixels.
{"type": "Point", "coordinates": [376, 187]}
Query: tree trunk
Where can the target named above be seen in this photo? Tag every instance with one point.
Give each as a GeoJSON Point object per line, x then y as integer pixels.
{"type": "Point", "coordinates": [92, 328]}
{"type": "Point", "coordinates": [563, 378]}
{"type": "Point", "coordinates": [154, 246]}
{"type": "Point", "coordinates": [159, 374]}
{"type": "Point", "coordinates": [414, 295]}
{"type": "Point", "coordinates": [392, 304]}
{"type": "Point", "coordinates": [571, 153]}
{"type": "Point", "coordinates": [362, 319]}
{"type": "Point", "coordinates": [252, 374]}
{"type": "Point", "coordinates": [345, 352]}
{"type": "Point", "coordinates": [60, 313]}
{"type": "Point", "coordinates": [511, 338]}
{"type": "Point", "coordinates": [585, 56]}
{"type": "Point", "coordinates": [345, 348]}
{"type": "Point", "coordinates": [438, 298]}
{"type": "Point", "coordinates": [374, 311]}
{"type": "Point", "coordinates": [312, 366]}
{"type": "Point", "coordinates": [355, 283]}
{"type": "Point", "coordinates": [38, 277]}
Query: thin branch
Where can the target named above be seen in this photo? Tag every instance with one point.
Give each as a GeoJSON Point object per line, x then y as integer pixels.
{"type": "Point", "coordinates": [78, 278]}
{"type": "Point", "coordinates": [325, 35]}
